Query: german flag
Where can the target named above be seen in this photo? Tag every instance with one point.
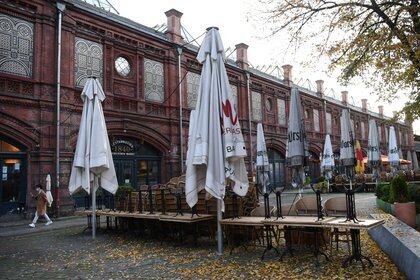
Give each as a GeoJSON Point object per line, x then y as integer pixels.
{"type": "Point", "coordinates": [360, 166]}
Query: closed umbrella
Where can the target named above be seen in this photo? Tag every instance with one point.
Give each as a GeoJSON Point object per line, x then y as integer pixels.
{"type": "Point", "coordinates": [327, 163]}
{"type": "Point", "coordinates": [216, 149]}
{"type": "Point", "coordinates": [410, 159]}
{"type": "Point", "coordinates": [48, 189]}
{"type": "Point", "coordinates": [296, 153]}
{"type": "Point", "coordinates": [415, 161]}
{"type": "Point", "coordinates": [93, 164]}
{"type": "Point", "coordinates": [374, 153]}
{"type": "Point", "coordinates": [347, 152]}
{"type": "Point", "coordinates": [263, 166]}
{"type": "Point", "coordinates": [393, 151]}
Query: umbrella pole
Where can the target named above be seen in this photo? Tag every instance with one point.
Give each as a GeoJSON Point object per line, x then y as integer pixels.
{"type": "Point", "coordinates": [94, 208]}
{"type": "Point", "coordinates": [219, 228]}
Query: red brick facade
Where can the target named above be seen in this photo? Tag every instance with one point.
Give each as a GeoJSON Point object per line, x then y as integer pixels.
{"type": "Point", "coordinates": [28, 105]}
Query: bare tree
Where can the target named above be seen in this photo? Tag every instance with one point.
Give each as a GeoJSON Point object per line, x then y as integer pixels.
{"type": "Point", "coordinates": [378, 41]}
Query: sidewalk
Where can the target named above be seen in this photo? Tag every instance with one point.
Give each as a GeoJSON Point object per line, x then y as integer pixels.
{"type": "Point", "coordinates": [21, 227]}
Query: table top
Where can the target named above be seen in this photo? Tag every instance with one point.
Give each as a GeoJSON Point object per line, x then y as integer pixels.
{"type": "Point", "coordinates": [243, 221]}
{"type": "Point", "coordinates": [362, 224]}
{"type": "Point", "coordinates": [305, 221]}
{"type": "Point", "coordinates": [298, 221]}
{"type": "Point", "coordinates": [167, 217]}
{"type": "Point", "coordinates": [186, 218]}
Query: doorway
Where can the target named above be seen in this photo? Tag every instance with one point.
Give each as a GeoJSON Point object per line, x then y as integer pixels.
{"type": "Point", "coordinates": [277, 168]}
{"type": "Point", "coordinates": [136, 162]}
{"type": "Point", "coordinates": [13, 176]}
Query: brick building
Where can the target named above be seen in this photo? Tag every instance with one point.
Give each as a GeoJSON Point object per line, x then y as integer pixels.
{"type": "Point", "coordinates": [138, 68]}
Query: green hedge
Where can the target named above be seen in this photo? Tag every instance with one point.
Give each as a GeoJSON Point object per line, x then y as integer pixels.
{"type": "Point", "coordinates": [383, 192]}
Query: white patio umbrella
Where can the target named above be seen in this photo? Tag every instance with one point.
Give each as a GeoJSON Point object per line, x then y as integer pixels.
{"type": "Point", "coordinates": [296, 149]}
{"type": "Point", "coordinates": [216, 150]}
{"type": "Point", "coordinates": [410, 159]}
{"type": "Point", "coordinates": [263, 166]}
{"type": "Point", "coordinates": [374, 152]}
{"type": "Point", "coordinates": [48, 190]}
{"type": "Point", "coordinates": [327, 163]}
{"type": "Point", "coordinates": [93, 164]}
{"type": "Point", "coordinates": [347, 152]}
{"type": "Point", "coordinates": [393, 151]}
{"type": "Point", "coordinates": [415, 161]}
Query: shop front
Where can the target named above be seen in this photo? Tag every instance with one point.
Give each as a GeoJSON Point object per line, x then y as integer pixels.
{"type": "Point", "coordinates": [136, 162]}
{"type": "Point", "coordinates": [13, 176]}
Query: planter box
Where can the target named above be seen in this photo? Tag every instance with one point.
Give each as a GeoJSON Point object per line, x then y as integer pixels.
{"type": "Point", "coordinates": [385, 206]}
{"type": "Point", "coordinates": [400, 242]}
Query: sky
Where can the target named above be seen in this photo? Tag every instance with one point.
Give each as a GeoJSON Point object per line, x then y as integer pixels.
{"type": "Point", "coordinates": [236, 25]}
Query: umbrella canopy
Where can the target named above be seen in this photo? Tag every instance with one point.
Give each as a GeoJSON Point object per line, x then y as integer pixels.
{"type": "Point", "coordinates": [48, 189]}
{"type": "Point", "coordinates": [216, 150]}
{"type": "Point", "coordinates": [415, 161]}
{"type": "Point", "coordinates": [93, 152]}
{"type": "Point", "coordinates": [385, 160]}
{"type": "Point", "coordinates": [393, 155]}
{"type": "Point", "coordinates": [327, 163]}
{"type": "Point", "coordinates": [347, 152]}
{"type": "Point", "coordinates": [263, 166]}
{"type": "Point", "coordinates": [360, 166]}
{"type": "Point", "coordinates": [296, 152]}
{"type": "Point", "coordinates": [410, 159]}
{"type": "Point", "coordinates": [374, 153]}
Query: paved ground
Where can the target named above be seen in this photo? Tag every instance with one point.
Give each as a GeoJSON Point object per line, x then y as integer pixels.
{"type": "Point", "coordinates": [68, 253]}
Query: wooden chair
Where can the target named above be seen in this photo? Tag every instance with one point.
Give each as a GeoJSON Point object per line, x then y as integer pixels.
{"type": "Point", "coordinates": [336, 206]}
{"type": "Point", "coordinates": [306, 206]}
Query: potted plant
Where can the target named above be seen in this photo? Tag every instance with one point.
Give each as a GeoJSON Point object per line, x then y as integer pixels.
{"type": "Point", "coordinates": [322, 185]}
{"type": "Point", "coordinates": [405, 210]}
{"type": "Point", "coordinates": [122, 194]}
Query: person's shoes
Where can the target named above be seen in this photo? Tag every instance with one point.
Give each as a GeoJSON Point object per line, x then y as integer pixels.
{"type": "Point", "coordinates": [32, 225]}
{"type": "Point", "coordinates": [48, 223]}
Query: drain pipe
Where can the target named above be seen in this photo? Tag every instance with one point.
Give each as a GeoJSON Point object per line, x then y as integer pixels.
{"type": "Point", "coordinates": [181, 134]}
{"type": "Point", "coordinates": [60, 8]}
{"type": "Point", "coordinates": [249, 123]}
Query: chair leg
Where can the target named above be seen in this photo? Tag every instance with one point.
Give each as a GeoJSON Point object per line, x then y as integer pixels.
{"type": "Point", "coordinates": [348, 242]}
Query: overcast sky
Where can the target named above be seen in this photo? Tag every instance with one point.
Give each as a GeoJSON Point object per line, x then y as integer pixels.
{"type": "Point", "coordinates": [236, 26]}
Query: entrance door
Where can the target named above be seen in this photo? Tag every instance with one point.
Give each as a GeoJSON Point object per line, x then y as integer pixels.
{"type": "Point", "coordinates": [148, 172]}
{"type": "Point", "coordinates": [125, 172]}
{"type": "Point", "coordinates": [277, 175]}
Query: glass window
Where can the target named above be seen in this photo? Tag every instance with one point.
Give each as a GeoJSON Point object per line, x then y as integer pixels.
{"type": "Point", "coordinates": [88, 61]}
{"type": "Point", "coordinates": [193, 84]}
{"type": "Point", "coordinates": [316, 120]}
{"type": "Point", "coordinates": [122, 66]}
{"type": "Point", "coordinates": [281, 110]}
{"type": "Point", "coordinates": [153, 81]}
{"type": "Point", "coordinates": [234, 90]}
{"type": "Point", "coordinates": [380, 133]}
{"type": "Point", "coordinates": [256, 106]}
{"type": "Point", "coordinates": [362, 127]}
{"type": "Point", "coordinates": [329, 123]}
{"type": "Point", "coordinates": [16, 46]}
{"type": "Point", "coordinates": [268, 105]}
{"type": "Point", "coordinates": [11, 176]}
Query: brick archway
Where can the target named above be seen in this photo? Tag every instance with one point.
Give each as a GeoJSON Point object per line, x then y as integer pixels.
{"type": "Point", "coordinates": [129, 128]}
{"type": "Point", "coordinates": [19, 131]}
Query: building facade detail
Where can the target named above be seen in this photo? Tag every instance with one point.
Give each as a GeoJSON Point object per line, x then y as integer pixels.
{"type": "Point", "coordinates": [256, 106]}
{"type": "Point", "coordinates": [16, 46]}
{"type": "Point", "coordinates": [193, 84]}
{"type": "Point", "coordinates": [153, 81]}
{"type": "Point", "coordinates": [88, 60]}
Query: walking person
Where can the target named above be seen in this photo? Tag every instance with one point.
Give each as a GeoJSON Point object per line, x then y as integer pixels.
{"type": "Point", "coordinates": [41, 206]}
